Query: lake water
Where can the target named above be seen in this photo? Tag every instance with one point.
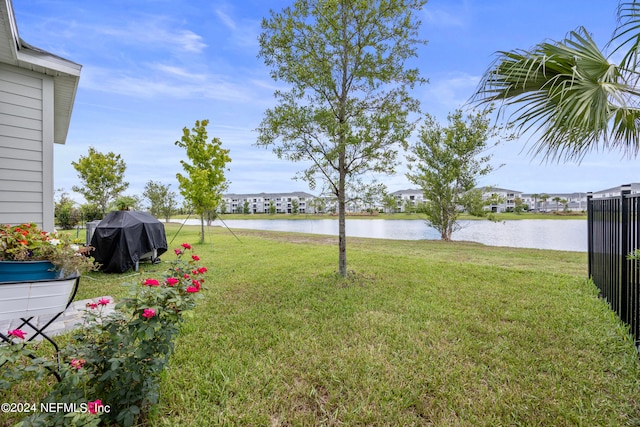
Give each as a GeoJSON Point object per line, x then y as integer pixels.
{"type": "Point", "coordinates": [565, 235]}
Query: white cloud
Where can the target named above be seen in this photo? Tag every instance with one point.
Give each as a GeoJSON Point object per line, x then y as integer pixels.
{"type": "Point", "coordinates": [226, 19]}
{"type": "Point", "coordinates": [442, 17]}
{"type": "Point", "coordinates": [443, 95]}
{"type": "Point", "coordinates": [189, 41]}
{"type": "Point", "coordinates": [180, 72]}
{"type": "Point", "coordinates": [153, 32]}
{"type": "Point", "coordinates": [161, 80]}
{"type": "Point", "coordinates": [242, 31]}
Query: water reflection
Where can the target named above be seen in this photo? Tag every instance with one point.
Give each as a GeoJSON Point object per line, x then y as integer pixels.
{"type": "Point", "coordinates": [566, 235]}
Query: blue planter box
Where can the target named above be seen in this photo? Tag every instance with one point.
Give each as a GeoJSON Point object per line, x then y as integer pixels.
{"type": "Point", "coordinates": [13, 271]}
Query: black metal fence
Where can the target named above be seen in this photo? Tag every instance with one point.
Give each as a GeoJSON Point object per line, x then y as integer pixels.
{"type": "Point", "coordinates": [614, 233]}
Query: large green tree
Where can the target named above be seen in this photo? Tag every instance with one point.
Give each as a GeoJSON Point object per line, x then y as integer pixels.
{"type": "Point", "coordinates": [204, 182]}
{"type": "Point", "coordinates": [572, 94]}
{"type": "Point", "coordinates": [161, 199]}
{"type": "Point", "coordinates": [346, 108]}
{"type": "Point", "coordinates": [102, 177]}
{"type": "Point", "coordinates": [446, 163]}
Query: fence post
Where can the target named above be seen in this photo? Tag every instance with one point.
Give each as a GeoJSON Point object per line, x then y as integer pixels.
{"type": "Point", "coordinates": [625, 190]}
{"type": "Point", "coordinates": [590, 233]}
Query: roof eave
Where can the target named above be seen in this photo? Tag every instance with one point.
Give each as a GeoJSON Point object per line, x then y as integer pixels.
{"type": "Point", "coordinates": [66, 77]}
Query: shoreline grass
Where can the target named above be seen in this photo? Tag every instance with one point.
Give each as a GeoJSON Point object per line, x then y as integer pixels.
{"type": "Point", "coordinates": [423, 333]}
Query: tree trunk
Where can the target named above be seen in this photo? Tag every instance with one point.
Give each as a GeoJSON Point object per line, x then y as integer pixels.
{"type": "Point", "coordinates": [342, 237]}
{"type": "Point", "coordinates": [201, 228]}
{"type": "Point", "coordinates": [447, 230]}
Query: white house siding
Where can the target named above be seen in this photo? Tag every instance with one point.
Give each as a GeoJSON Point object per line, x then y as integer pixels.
{"type": "Point", "coordinates": [26, 147]}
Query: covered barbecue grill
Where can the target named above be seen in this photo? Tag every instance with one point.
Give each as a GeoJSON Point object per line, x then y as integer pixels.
{"type": "Point", "coordinates": [123, 238]}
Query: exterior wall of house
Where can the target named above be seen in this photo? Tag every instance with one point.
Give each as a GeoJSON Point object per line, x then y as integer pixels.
{"type": "Point", "coordinates": [26, 147]}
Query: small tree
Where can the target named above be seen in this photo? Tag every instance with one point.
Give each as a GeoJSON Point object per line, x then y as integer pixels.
{"type": "Point", "coordinates": [390, 203]}
{"type": "Point", "coordinates": [102, 177]}
{"type": "Point", "coordinates": [127, 203]}
{"type": "Point", "coordinates": [272, 207]}
{"type": "Point", "coordinates": [520, 206]}
{"type": "Point", "coordinates": [295, 206]}
{"type": "Point", "coordinates": [245, 207]}
{"type": "Point", "coordinates": [409, 207]}
{"type": "Point", "coordinates": [348, 104]}
{"type": "Point", "coordinates": [204, 182]}
{"type": "Point", "coordinates": [318, 204]}
{"type": "Point", "coordinates": [161, 199]}
{"type": "Point", "coordinates": [446, 163]}
{"type": "Point", "coordinates": [91, 212]}
{"type": "Point", "coordinates": [66, 213]}
{"type": "Point", "coordinates": [494, 200]}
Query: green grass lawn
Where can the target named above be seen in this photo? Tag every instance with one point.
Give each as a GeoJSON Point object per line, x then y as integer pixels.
{"type": "Point", "coordinates": [424, 333]}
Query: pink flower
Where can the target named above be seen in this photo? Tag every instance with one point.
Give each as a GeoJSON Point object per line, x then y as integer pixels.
{"type": "Point", "coordinates": [186, 245]}
{"type": "Point", "coordinates": [178, 251]}
{"type": "Point", "coordinates": [104, 301]}
{"type": "Point", "coordinates": [78, 363]}
{"type": "Point", "coordinates": [94, 406]}
{"type": "Point", "coordinates": [18, 333]}
{"type": "Point", "coordinates": [196, 283]}
{"type": "Point", "coordinates": [186, 276]}
{"type": "Point", "coordinates": [202, 270]}
{"type": "Point", "coordinates": [151, 282]}
{"type": "Point", "coordinates": [192, 289]}
{"type": "Point", "coordinates": [195, 257]}
{"type": "Point", "coordinates": [149, 313]}
{"type": "Point", "coordinates": [172, 281]}
{"type": "Point", "coordinates": [92, 305]}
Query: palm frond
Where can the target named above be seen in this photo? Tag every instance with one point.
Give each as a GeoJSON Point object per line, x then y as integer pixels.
{"type": "Point", "coordinates": [627, 33]}
{"type": "Point", "coordinates": [568, 93]}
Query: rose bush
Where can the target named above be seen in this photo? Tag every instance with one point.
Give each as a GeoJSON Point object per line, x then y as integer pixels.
{"type": "Point", "coordinates": [117, 359]}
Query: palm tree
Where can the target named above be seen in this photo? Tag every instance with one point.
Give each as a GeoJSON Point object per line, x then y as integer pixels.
{"type": "Point", "coordinates": [557, 200]}
{"type": "Point", "coordinates": [535, 196]}
{"type": "Point", "coordinates": [571, 92]}
{"type": "Point", "coordinates": [544, 198]}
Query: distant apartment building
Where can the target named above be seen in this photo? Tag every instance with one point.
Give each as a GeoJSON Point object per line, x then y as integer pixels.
{"type": "Point", "coordinates": [576, 202]}
{"type": "Point", "coordinates": [283, 203]}
{"type": "Point", "coordinates": [503, 200]}
{"type": "Point", "coordinates": [615, 191]}
{"type": "Point", "coordinates": [407, 200]}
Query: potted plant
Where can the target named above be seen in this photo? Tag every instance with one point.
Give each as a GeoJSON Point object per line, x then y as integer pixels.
{"type": "Point", "coordinates": [38, 270]}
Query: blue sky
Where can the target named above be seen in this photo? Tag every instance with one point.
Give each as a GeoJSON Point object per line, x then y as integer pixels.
{"type": "Point", "coordinates": [152, 67]}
